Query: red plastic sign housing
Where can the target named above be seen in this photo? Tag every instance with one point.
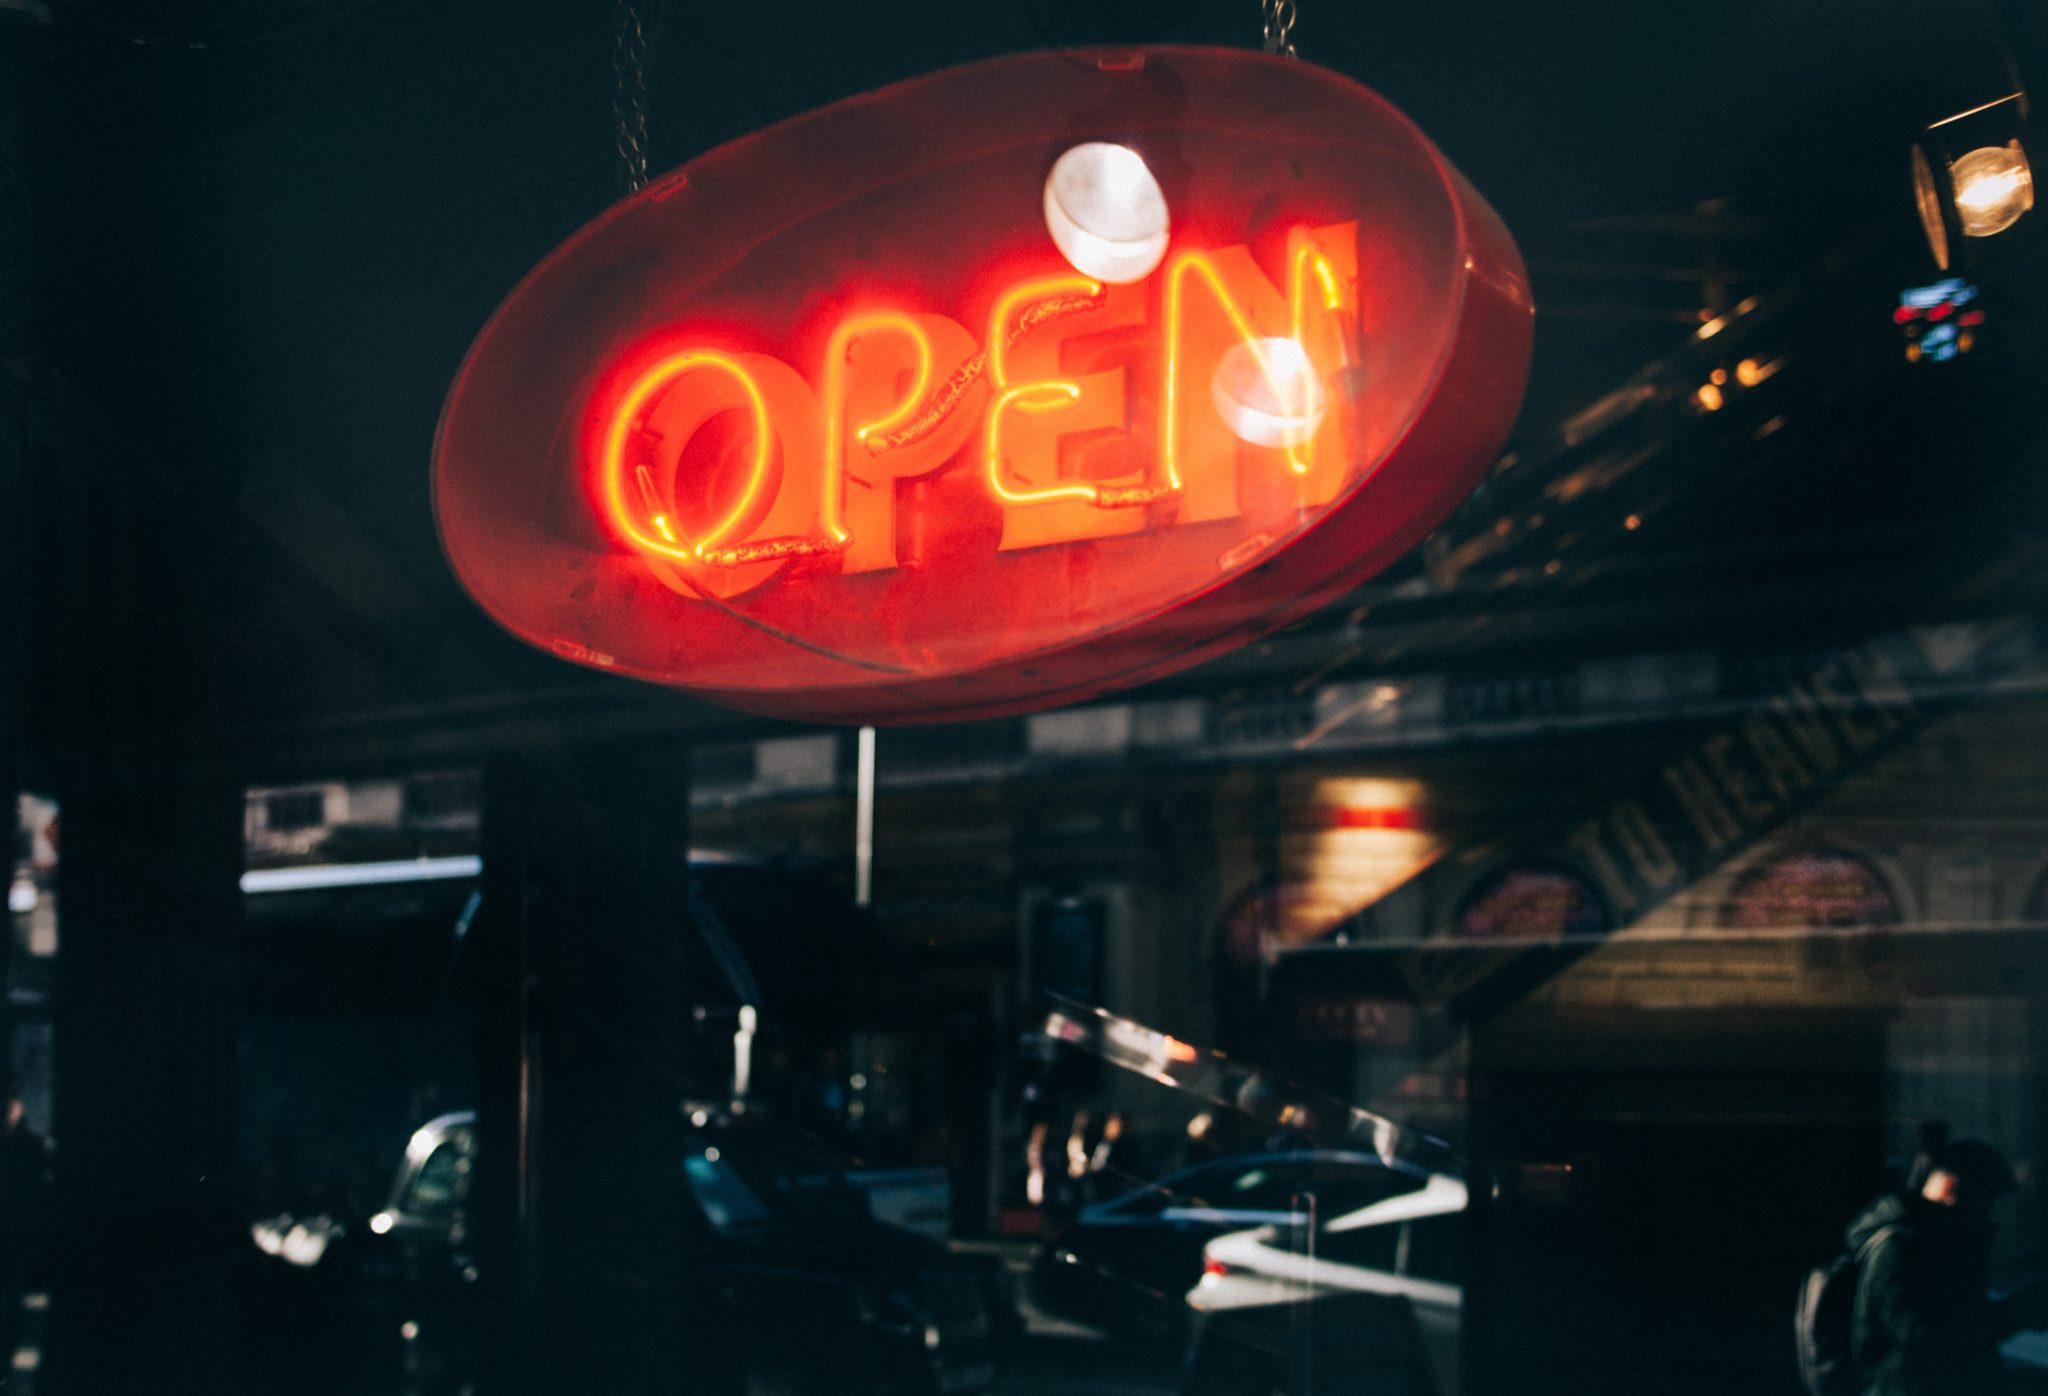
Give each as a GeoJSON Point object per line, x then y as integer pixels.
{"type": "Point", "coordinates": [863, 418]}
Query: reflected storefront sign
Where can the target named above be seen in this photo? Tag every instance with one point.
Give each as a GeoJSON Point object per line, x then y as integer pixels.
{"type": "Point", "coordinates": [997, 389]}
{"type": "Point", "coordinates": [1816, 888]}
{"type": "Point", "coordinates": [1531, 903]}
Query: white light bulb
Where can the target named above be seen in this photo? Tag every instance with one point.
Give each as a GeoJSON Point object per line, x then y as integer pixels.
{"type": "Point", "coordinates": [1106, 213]}
{"type": "Point", "coordinates": [1268, 393]}
{"type": "Point", "coordinates": [1993, 187]}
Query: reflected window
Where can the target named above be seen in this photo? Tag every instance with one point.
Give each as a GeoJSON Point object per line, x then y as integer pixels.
{"type": "Point", "coordinates": [1531, 903]}
{"type": "Point", "coordinates": [1816, 889]}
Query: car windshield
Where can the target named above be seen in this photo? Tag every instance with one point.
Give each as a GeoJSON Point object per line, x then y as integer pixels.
{"type": "Point", "coordinates": [1325, 1184]}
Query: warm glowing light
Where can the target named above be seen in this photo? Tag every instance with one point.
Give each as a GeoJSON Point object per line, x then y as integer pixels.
{"type": "Point", "coordinates": [1027, 397]}
{"type": "Point", "coordinates": [1042, 395]}
{"type": "Point", "coordinates": [1106, 212]}
{"type": "Point", "coordinates": [843, 337]}
{"type": "Point", "coordinates": [1018, 298]}
{"type": "Point", "coordinates": [1709, 397]}
{"type": "Point", "coordinates": [627, 418]}
{"type": "Point", "coordinates": [1994, 186]}
{"type": "Point", "coordinates": [1751, 372]}
{"type": "Point", "coordinates": [1284, 392]}
{"type": "Point", "coordinates": [1268, 393]}
{"type": "Point", "coordinates": [1632, 522]}
{"type": "Point", "coordinates": [884, 403]}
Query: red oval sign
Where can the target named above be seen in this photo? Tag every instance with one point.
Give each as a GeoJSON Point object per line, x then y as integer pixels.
{"type": "Point", "coordinates": [996, 389]}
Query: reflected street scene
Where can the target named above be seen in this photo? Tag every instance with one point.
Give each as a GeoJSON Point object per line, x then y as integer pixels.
{"type": "Point", "coordinates": [1040, 698]}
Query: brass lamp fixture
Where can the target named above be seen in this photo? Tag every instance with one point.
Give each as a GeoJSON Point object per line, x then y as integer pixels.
{"type": "Point", "coordinates": [1972, 176]}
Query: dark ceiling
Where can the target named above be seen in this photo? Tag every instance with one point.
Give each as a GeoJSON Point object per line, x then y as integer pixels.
{"type": "Point", "coordinates": [265, 232]}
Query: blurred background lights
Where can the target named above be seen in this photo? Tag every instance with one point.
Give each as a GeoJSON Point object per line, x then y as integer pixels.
{"type": "Point", "coordinates": [1939, 321]}
{"type": "Point", "coordinates": [1106, 213]}
{"type": "Point", "coordinates": [1994, 186]}
{"type": "Point", "coordinates": [1268, 393]}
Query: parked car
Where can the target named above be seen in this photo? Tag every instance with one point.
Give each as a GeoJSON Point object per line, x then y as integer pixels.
{"type": "Point", "coordinates": [1375, 1292]}
{"type": "Point", "coordinates": [807, 1290]}
{"type": "Point", "coordinates": [1125, 1266]}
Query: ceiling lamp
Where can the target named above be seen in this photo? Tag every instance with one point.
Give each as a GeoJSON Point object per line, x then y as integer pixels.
{"type": "Point", "coordinates": [1981, 191]}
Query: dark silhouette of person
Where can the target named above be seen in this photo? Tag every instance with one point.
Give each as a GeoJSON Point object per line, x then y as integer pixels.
{"type": "Point", "coordinates": [1924, 1325]}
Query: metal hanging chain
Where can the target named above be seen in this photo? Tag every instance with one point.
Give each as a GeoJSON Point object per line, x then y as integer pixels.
{"type": "Point", "coordinates": [629, 93]}
{"type": "Point", "coordinates": [1280, 18]}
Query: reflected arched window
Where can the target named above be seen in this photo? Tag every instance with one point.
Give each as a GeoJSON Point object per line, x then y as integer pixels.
{"type": "Point", "coordinates": [1530, 903]}
{"type": "Point", "coordinates": [1814, 889]}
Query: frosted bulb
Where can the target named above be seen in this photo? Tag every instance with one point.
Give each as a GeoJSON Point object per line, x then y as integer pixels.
{"type": "Point", "coordinates": [1106, 213]}
{"type": "Point", "coordinates": [1268, 393]}
{"type": "Point", "coordinates": [1993, 188]}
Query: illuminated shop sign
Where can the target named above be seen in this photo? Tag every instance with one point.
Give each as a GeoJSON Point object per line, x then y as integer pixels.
{"type": "Point", "coordinates": [904, 395]}
{"type": "Point", "coordinates": [1531, 903]}
{"type": "Point", "coordinates": [997, 389]}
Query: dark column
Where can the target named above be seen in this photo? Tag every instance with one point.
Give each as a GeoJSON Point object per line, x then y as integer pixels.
{"type": "Point", "coordinates": [122, 705]}
{"type": "Point", "coordinates": [580, 1238]}
{"type": "Point", "coordinates": [20, 62]}
{"type": "Point", "coordinates": [151, 1245]}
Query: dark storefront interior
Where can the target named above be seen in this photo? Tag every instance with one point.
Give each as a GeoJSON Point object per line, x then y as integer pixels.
{"type": "Point", "coordinates": [1538, 955]}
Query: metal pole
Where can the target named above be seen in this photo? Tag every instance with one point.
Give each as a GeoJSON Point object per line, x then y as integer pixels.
{"type": "Point", "coordinates": [864, 818]}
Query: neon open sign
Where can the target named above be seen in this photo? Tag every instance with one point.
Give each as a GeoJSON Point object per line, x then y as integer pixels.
{"type": "Point", "coordinates": [865, 418]}
{"type": "Point", "coordinates": [902, 395]}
